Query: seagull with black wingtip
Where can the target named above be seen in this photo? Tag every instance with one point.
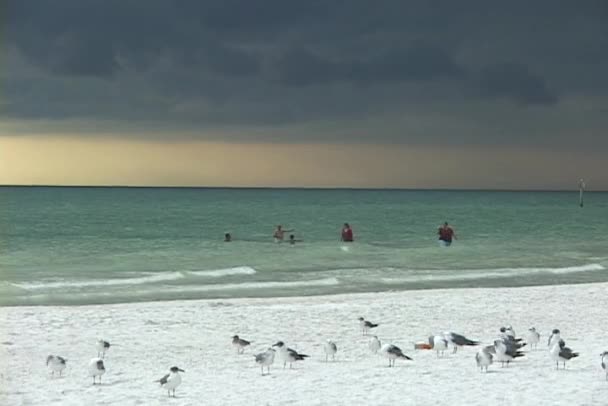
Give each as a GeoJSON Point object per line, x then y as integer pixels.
{"type": "Point", "coordinates": [239, 344]}
{"type": "Point", "coordinates": [172, 380]}
{"type": "Point", "coordinates": [458, 340]}
{"type": "Point", "coordinates": [366, 325]}
{"type": "Point", "coordinates": [560, 353]}
{"type": "Point", "coordinates": [392, 352]}
{"type": "Point", "coordinates": [288, 355]}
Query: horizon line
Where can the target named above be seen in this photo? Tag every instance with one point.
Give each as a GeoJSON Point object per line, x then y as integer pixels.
{"type": "Point", "coordinates": [421, 189]}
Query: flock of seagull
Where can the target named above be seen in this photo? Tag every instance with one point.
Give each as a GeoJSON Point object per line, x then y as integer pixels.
{"type": "Point", "coordinates": [506, 348]}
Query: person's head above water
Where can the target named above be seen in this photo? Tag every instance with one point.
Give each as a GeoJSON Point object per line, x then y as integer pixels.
{"type": "Point", "coordinates": [279, 227]}
{"type": "Point", "coordinates": [445, 224]}
{"type": "Point", "coordinates": [291, 236]}
{"type": "Point", "coordinates": [227, 237]}
{"type": "Point", "coordinates": [346, 225]}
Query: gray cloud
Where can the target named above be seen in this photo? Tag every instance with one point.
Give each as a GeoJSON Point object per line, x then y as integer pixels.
{"type": "Point", "coordinates": [515, 82]}
{"type": "Point", "coordinates": [282, 68]}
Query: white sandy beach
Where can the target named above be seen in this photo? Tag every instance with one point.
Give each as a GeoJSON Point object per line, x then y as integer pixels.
{"type": "Point", "coordinates": [148, 338]}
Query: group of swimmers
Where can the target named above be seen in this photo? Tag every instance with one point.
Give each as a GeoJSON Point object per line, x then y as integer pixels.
{"type": "Point", "coordinates": [445, 232]}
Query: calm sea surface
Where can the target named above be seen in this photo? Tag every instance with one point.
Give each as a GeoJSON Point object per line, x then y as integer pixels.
{"type": "Point", "coordinates": [108, 245]}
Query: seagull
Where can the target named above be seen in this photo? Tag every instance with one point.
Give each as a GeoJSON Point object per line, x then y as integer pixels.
{"type": "Point", "coordinates": [392, 352]}
{"type": "Point", "coordinates": [102, 347]}
{"type": "Point", "coordinates": [509, 334]}
{"type": "Point", "coordinates": [438, 343]}
{"type": "Point", "coordinates": [374, 345]}
{"type": "Point", "coordinates": [511, 341]}
{"type": "Point", "coordinates": [96, 369]}
{"type": "Point", "coordinates": [604, 356]}
{"type": "Point", "coordinates": [554, 338]}
{"type": "Point", "coordinates": [484, 357]}
{"type": "Point", "coordinates": [560, 353]}
{"type": "Point", "coordinates": [288, 355]}
{"type": "Point", "coordinates": [533, 337]}
{"type": "Point", "coordinates": [366, 325]}
{"type": "Point", "coordinates": [56, 363]}
{"type": "Point", "coordinates": [330, 350]}
{"type": "Point", "coordinates": [506, 351]}
{"type": "Point", "coordinates": [458, 340]}
{"type": "Point", "coordinates": [265, 359]}
{"type": "Point", "coordinates": [239, 344]}
{"type": "Point", "coordinates": [172, 380]}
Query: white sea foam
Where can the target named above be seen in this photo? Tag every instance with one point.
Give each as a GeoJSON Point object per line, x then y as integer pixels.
{"type": "Point", "coordinates": [435, 275]}
{"type": "Point", "coordinates": [254, 285]}
{"type": "Point", "coordinates": [217, 273]}
{"type": "Point", "coordinates": [150, 278]}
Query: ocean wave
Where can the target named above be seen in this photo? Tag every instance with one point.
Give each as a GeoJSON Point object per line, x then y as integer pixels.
{"type": "Point", "coordinates": [150, 278]}
{"type": "Point", "coordinates": [255, 285]}
{"type": "Point", "coordinates": [216, 273]}
{"type": "Point", "coordinates": [456, 275]}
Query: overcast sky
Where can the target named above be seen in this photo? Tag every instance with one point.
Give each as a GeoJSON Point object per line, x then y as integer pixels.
{"type": "Point", "coordinates": [491, 80]}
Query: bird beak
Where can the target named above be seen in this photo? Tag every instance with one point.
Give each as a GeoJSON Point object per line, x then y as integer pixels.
{"type": "Point", "coordinates": [275, 344]}
{"type": "Point", "coordinates": [180, 370]}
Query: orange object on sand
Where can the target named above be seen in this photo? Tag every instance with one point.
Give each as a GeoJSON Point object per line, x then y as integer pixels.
{"type": "Point", "coordinates": [422, 346]}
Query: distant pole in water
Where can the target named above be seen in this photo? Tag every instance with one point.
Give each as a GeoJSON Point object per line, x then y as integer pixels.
{"type": "Point", "coordinates": [581, 189]}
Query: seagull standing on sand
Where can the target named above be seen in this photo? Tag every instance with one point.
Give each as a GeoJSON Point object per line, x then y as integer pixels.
{"type": "Point", "coordinates": [172, 380]}
{"type": "Point", "coordinates": [604, 356]}
{"type": "Point", "coordinates": [533, 337]}
{"type": "Point", "coordinates": [554, 338]}
{"type": "Point", "coordinates": [102, 347]}
{"type": "Point", "coordinates": [55, 363]}
{"type": "Point", "coordinates": [239, 344]}
{"type": "Point", "coordinates": [374, 345]}
{"type": "Point", "coordinates": [366, 325]}
{"type": "Point", "coordinates": [288, 355]}
{"type": "Point", "coordinates": [96, 369]}
{"type": "Point", "coordinates": [330, 350]}
{"type": "Point", "coordinates": [484, 357]}
{"type": "Point", "coordinates": [560, 353]}
{"type": "Point", "coordinates": [506, 351]}
{"type": "Point", "coordinates": [265, 359]}
{"type": "Point", "coordinates": [439, 344]}
{"type": "Point", "coordinates": [458, 340]}
{"type": "Point", "coordinates": [392, 352]}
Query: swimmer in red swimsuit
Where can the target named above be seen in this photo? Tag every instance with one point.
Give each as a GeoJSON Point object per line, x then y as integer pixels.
{"type": "Point", "coordinates": [446, 234]}
{"type": "Point", "coordinates": [347, 233]}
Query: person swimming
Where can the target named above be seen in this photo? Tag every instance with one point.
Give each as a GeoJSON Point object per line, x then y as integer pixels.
{"type": "Point", "coordinates": [292, 239]}
{"type": "Point", "coordinates": [446, 234]}
{"type": "Point", "coordinates": [227, 237]}
{"type": "Point", "coordinates": [347, 233]}
{"type": "Point", "coordinates": [279, 233]}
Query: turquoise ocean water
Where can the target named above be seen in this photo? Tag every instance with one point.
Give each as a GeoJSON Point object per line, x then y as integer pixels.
{"type": "Point", "coordinates": [107, 245]}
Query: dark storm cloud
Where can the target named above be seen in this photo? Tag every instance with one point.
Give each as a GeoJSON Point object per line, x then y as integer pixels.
{"type": "Point", "coordinates": [515, 82]}
{"type": "Point", "coordinates": [301, 67]}
{"type": "Point", "coordinates": [287, 66]}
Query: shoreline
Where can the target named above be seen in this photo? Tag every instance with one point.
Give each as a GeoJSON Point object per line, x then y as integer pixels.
{"type": "Point", "coordinates": [460, 285]}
